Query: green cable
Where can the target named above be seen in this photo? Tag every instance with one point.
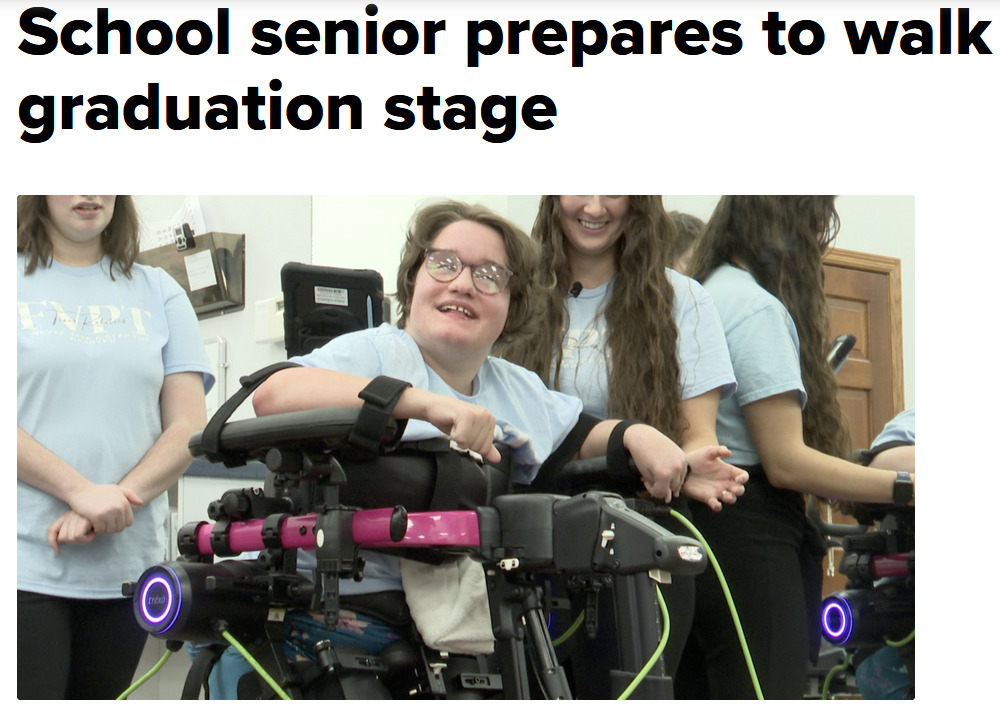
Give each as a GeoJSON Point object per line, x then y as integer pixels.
{"type": "Point", "coordinates": [569, 631]}
{"type": "Point", "coordinates": [149, 674]}
{"type": "Point", "coordinates": [834, 671]}
{"type": "Point", "coordinates": [657, 653]}
{"type": "Point", "coordinates": [256, 666]}
{"type": "Point", "coordinates": [729, 601]}
{"type": "Point", "coordinates": [903, 641]}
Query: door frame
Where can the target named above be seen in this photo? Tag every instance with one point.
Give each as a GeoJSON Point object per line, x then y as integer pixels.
{"type": "Point", "coordinates": [892, 268]}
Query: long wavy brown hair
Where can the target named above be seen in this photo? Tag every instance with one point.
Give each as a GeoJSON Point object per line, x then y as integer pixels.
{"type": "Point", "coordinates": [781, 241]}
{"type": "Point", "coordinates": [120, 239]}
{"type": "Point", "coordinates": [641, 344]}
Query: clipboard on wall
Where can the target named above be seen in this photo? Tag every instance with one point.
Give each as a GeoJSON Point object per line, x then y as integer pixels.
{"type": "Point", "coordinates": [211, 271]}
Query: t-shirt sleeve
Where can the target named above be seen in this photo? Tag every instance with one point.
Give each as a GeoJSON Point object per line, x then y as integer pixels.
{"type": "Point", "coordinates": [764, 350]}
{"type": "Point", "coordinates": [702, 351]}
{"type": "Point", "coordinates": [184, 349]}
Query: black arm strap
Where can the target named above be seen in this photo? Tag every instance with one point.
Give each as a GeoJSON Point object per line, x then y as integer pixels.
{"type": "Point", "coordinates": [210, 436]}
{"type": "Point", "coordinates": [546, 482]}
{"type": "Point", "coordinates": [380, 396]}
{"type": "Point", "coordinates": [867, 455]}
{"type": "Point", "coordinates": [618, 456]}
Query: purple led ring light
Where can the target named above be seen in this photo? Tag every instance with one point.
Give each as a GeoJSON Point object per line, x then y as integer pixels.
{"type": "Point", "coordinates": [168, 603]}
{"type": "Point", "coordinates": [839, 611]}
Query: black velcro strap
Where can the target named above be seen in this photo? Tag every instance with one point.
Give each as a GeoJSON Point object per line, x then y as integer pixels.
{"type": "Point", "coordinates": [546, 480]}
{"type": "Point", "coordinates": [447, 481]}
{"type": "Point", "coordinates": [868, 455]}
{"type": "Point", "coordinates": [210, 436]}
{"type": "Point", "coordinates": [618, 456]}
{"type": "Point", "coordinates": [380, 397]}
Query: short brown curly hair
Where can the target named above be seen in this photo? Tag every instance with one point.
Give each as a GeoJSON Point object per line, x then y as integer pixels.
{"type": "Point", "coordinates": [523, 258]}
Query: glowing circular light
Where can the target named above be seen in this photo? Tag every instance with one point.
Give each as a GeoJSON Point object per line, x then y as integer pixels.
{"type": "Point", "coordinates": [837, 621]}
{"type": "Point", "coordinates": [156, 600]}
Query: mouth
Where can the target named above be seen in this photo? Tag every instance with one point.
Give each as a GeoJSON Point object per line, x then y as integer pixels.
{"type": "Point", "coordinates": [455, 308]}
{"type": "Point", "coordinates": [87, 207]}
{"type": "Point", "coordinates": [593, 226]}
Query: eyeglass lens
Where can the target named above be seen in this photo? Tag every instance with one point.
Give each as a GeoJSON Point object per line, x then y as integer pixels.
{"type": "Point", "coordinates": [488, 278]}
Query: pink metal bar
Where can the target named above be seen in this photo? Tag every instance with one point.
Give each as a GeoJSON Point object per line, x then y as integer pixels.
{"type": "Point", "coordinates": [891, 566]}
{"type": "Point", "coordinates": [369, 529]}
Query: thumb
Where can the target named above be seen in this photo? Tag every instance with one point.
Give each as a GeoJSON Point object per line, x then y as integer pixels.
{"type": "Point", "coordinates": [493, 455]}
{"type": "Point", "coordinates": [132, 498]}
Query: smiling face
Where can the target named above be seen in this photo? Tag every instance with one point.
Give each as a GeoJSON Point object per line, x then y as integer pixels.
{"type": "Point", "coordinates": [77, 221]}
{"type": "Point", "coordinates": [454, 324]}
{"type": "Point", "coordinates": [592, 223]}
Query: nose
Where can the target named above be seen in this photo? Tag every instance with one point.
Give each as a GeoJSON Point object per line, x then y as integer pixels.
{"type": "Point", "coordinates": [594, 205]}
{"type": "Point", "coordinates": [463, 282]}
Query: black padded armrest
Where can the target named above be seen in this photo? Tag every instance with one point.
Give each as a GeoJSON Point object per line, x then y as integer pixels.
{"type": "Point", "coordinates": [250, 439]}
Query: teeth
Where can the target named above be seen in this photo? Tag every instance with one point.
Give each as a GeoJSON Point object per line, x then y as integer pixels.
{"type": "Point", "coordinates": [453, 308]}
{"type": "Point", "coordinates": [592, 225]}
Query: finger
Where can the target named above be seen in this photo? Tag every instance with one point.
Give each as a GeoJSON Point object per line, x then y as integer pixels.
{"type": "Point", "coordinates": [493, 455]}
{"type": "Point", "coordinates": [132, 498]}
{"type": "Point", "coordinates": [53, 539]}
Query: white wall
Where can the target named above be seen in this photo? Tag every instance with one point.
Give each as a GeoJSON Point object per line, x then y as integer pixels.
{"type": "Point", "coordinates": [278, 229]}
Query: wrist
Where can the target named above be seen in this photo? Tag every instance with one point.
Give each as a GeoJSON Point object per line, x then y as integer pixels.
{"type": "Point", "coordinates": [902, 489]}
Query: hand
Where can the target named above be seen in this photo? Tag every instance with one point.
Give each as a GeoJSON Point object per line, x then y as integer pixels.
{"type": "Point", "coordinates": [661, 463]}
{"type": "Point", "coordinates": [107, 506]}
{"type": "Point", "coordinates": [712, 481]}
{"type": "Point", "coordinates": [469, 426]}
{"type": "Point", "coordinates": [71, 527]}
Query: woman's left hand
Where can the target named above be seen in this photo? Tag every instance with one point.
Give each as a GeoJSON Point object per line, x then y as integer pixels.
{"type": "Point", "coordinates": [711, 480]}
{"type": "Point", "coordinates": [71, 527]}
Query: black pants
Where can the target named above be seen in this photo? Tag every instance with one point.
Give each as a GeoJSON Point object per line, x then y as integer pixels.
{"type": "Point", "coordinates": [771, 559]}
{"type": "Point", "coordinates": [75, 648]}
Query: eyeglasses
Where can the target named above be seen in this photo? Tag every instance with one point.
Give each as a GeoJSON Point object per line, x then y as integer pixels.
{"type": "Point", "coordinates": [445, 266]}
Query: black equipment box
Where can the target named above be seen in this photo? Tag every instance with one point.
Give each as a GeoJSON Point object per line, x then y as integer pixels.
{"type": "Point", "coordinates": [324, 302]}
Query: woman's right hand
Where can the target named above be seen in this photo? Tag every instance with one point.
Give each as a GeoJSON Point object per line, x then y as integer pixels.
{"type": "Point", "coordinates": [471, 427]}
{"type": "Point", "coordinates": [108, 507]}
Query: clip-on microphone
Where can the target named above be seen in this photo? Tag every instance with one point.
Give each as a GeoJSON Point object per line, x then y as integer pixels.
{"type": "Point", "coordinates": [575, 290]}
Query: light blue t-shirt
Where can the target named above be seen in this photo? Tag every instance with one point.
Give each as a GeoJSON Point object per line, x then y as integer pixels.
{"type": "Point", "coordinates": [92, 353]}
{"type": "Point", "coordinates": [531, 419]}
{"type": "Point", "coordinates": [702, 354]}
{"type": "Point", "coordinates": [902, 429]}
{"type": "Point", "coordinates": [764, 348]}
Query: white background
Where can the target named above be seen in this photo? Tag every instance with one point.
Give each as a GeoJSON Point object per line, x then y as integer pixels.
{"type": "Point", "coordinates": [668, 124]}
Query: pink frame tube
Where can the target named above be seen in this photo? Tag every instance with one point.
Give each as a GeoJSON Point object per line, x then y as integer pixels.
{"type": "Point", "coordinates": [369, 529]}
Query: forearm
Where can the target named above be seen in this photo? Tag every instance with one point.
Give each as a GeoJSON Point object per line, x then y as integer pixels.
{"type": "Point", "coordinates": [302, 388]}
{"type": "Point", "coordinates": [810, 471]}
{"type": "Point", "coordinates": [596, 442]}
{"type": "Point", "coordinates": [699, 414]}
{"type": "Point", "coordinates": [163, 464]}
{"type": "Point", "coordinates": [39, 467]}
{"type": "Point", "coordinates": [898, 458]}
{"type": "Point", "coordinates": [182, 413]}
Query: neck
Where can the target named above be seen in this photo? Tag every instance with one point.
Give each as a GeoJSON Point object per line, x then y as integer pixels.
{"type": "Point", "coordinates": [458, 372]}
{"type": "Point", "coordinates": [461, 380]}
{"type": "Point", "coordinates": [77, 254]}
{"type": "Point", "coordinates": [592, 272]}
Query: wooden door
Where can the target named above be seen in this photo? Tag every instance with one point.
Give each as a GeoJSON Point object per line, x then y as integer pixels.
{"type": "Point", "coordinates": [865, 299]}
